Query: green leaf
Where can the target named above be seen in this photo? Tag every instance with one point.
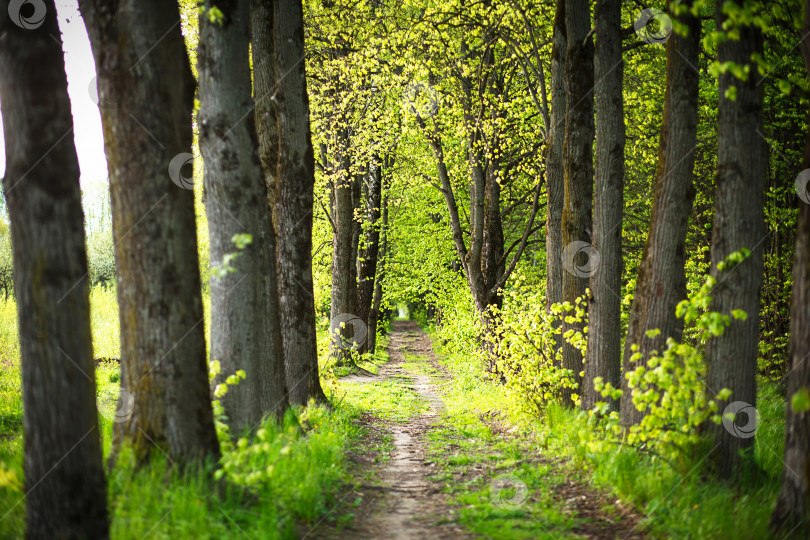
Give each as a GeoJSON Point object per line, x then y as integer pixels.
{"type": "Point", "coordinates": [800, 401]}
{"type": "Point", "coordinates": [739, 314]}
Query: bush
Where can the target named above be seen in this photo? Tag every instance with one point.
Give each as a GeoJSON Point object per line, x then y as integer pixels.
{"type": "Point", "coordinates": [6, 261]}
{"type": "Point", "coordinates": [528, 358]}
{"type": "Point", "coordinates": [101, 259]}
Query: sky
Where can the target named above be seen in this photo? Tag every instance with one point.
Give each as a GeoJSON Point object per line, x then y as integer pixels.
{"type": "Point", "coordinates": [81, 74]}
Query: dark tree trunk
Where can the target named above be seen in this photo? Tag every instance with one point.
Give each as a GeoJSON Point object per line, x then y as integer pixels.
{"type": "Point", "coordinates": [374, 316]}
{"type": "Point", "coordinates": [661, 281]}
{"type": "Point", "coordinates": [791, 512]}
{"type": "Point", "coordinates": [555, 179]}
{"type": "Point", "coordinates": [245, 332]}
{"type": "Point", "coordinates": [604, 356]}
{"type": "Point", "coordinates": [344, 321]}
{"type": "Point", "coordinates": [295, 181]}
{"type": "Point", "coordinates": [146, 92]}
{"type": "Point", "coordinates": [64, 480]}
{"type": "Point", "coordinates": [368, 254]}
{"type": "Point", "coordinates": [739, 222]}
{"type": "Point", "coordinates": [577, 260]}
{"type": "Point", "coordinates": [264, 85]}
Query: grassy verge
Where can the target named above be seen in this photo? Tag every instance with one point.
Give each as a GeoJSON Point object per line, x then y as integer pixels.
{"type": "Point", "coordinates": [495, 476]}
{"type": "Point", "coordinates": [278, 484]}
{"type": "Point", "coordinates": [679, 504]}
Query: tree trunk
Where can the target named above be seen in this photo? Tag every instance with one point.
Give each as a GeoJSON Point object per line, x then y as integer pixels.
{"type": "Point", "coordinates": [295, 184]}
{"type": "Point", "coordinates": [245, 332]}
{"type": "Point", "coordinates": [264, 86]}
{"type": "Point", "coordinates": [604, 356]}
{"type": "Point", "coordinates": [368, 254]}
{"type": "Point", "coordinates": [577, 260]}
{"type": "Point", "coordinates": [64, 480]}
{"type": "Point", "coordinates": [146, 92]}
{"type": "Point", "coordinates": [791, 512]}
{"type": "Point", "coordinates": [374, 316]}
{"type": "Point", "coordinates": [344, 321]}
{"type": "Point", "coordinates": [739, 222]}
{"type": "Point", "coordinates": [555, 182]}
{"type": "Point", "coordinates": [661, 281]}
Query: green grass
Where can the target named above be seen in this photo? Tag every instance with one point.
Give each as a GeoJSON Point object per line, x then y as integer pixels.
{"type": "Point", "coordinates": [389, 399]}
{"type": "Point", "coordinates": [679, 505]}
{"type": "Point", "coordinates": [277, 485]}
{"type": "Point", "coordinates": [287, 478]}
{"type": "Point", "coordinates": [498, 488]}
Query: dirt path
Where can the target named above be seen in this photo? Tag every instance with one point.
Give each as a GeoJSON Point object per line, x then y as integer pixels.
{"type": "Point", "coordinates": [404, 497]}
{"type": "Point", "coordinates": [406, 504]}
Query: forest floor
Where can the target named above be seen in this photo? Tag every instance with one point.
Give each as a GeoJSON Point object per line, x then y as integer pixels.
{"type": "Point", "coordinates": [430, 469]}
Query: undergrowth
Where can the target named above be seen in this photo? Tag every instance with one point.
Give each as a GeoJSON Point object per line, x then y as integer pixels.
{"type": "Point", "coordinates": [279, 483]}
{"type": "Point", "coordinates": [681, 502]}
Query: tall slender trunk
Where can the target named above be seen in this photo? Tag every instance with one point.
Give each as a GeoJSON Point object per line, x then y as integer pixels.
{"type": "Point", "coordinates": [245, 332]}
{"type": "Point", "coordinates": [739, 222]}
{"type": "Point", "coordinates": [661, 281]}
{"type": "Point", "coordinates": [264, 86]}
{"type": "Point", "coordinates": [368, 254]}
{"type": "Point", "coordinates": [374, 316]}
{"type": "Point", "coordinates": [604, 356]}
{"type": "Point", "coordinates": [146, 92]}
{"type": "Point", "coordinates": [295, 181]}
{"type": "Point", "coordinates": [344, 320]}
{"type": "Point", "coordinates": [555, 179]}
{"type": "Point", "coordinates": [578, 170]}
{"type": "Point", "coordinates": [64, 480]}
{"type": "Point", "coordinates": [793, 503]}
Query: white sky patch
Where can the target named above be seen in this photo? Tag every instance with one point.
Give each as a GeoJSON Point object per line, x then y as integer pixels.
{"type": "Point", "coordinates": [80, 71]}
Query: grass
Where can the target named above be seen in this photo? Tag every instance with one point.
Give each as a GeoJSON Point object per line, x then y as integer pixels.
{"type": "Point", "coordinates": [489, 451]}
{"type": "Point", "coordinates": [389, 399]}
{"type": "Point", "coordinates": [279, 484]}
{"type": "Point", "coordinates": [276, 485]}
{"type": "Point", "coordinates": [496, 481]}
{"type": "Point", "coordinates": [679, 505]}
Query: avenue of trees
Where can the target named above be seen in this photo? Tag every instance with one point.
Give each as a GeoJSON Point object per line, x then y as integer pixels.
{"type": "Point", "coordinates": [640, 174]}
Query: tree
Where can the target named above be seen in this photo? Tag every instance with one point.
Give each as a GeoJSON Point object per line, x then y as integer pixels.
{"type": "Point", "coordinates": [791, 512]}
{"type": "Point", "coordinates": [64, 480]}
{"type": "Point", "coordinates": [661, 281]}
{"type": "Point", "coordinates": [345, 198]}
{"type": "Point", "coordinates": [488, 134]}
{"type": "Point", "coordinates": [604, 355]}
{"type": "Point", "coordinates": [578, 170]}
{"type": "Point", "coordinates": [742, 163]}
{"type": "Point", "coordinates": [245, 332]}
{"type": "Point", "coordinates": [264, 87]}
{"type": "Point", "coordinates": [367, 267]}
{"type": "Point", "coordinates": [146, 95]}
{"type": "Point", "coordinates": [374, 314]}
{"type": "Point", "coordinates": [555, 178]}
{"type": "Point", "coordinates": [295, 181]}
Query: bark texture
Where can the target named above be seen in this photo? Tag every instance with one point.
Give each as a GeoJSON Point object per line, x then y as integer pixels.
{"type": "Point", "coordinates": [64, 480]}
{"type": "Point", "coordinates": [146, 92]}
{"type": "Point", "coordinates": [577, 260]}
{"type": "Point", "coordinates": [555, 178]}
{"type": "Point", "coordinates": [374, 316]}
{"type": "Point", "coordinates": [264, 87]}
{"type": "Point", "coordinates": [370, 247]}
{"type": "Point", "coordinates": [661, 281]}
{"type": "Point", "coordinates": [344, 320]}
{"type": "Point", "coordinates": [295, 180]}
{"type": "Point", "coordinates": [245, 331]}
{"type": "Point", "coordinates": [791, 512]}
{"type": "Point", "coordinates": [742, 166]}
{"type": "Point", "coordinates": [604, 356]}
